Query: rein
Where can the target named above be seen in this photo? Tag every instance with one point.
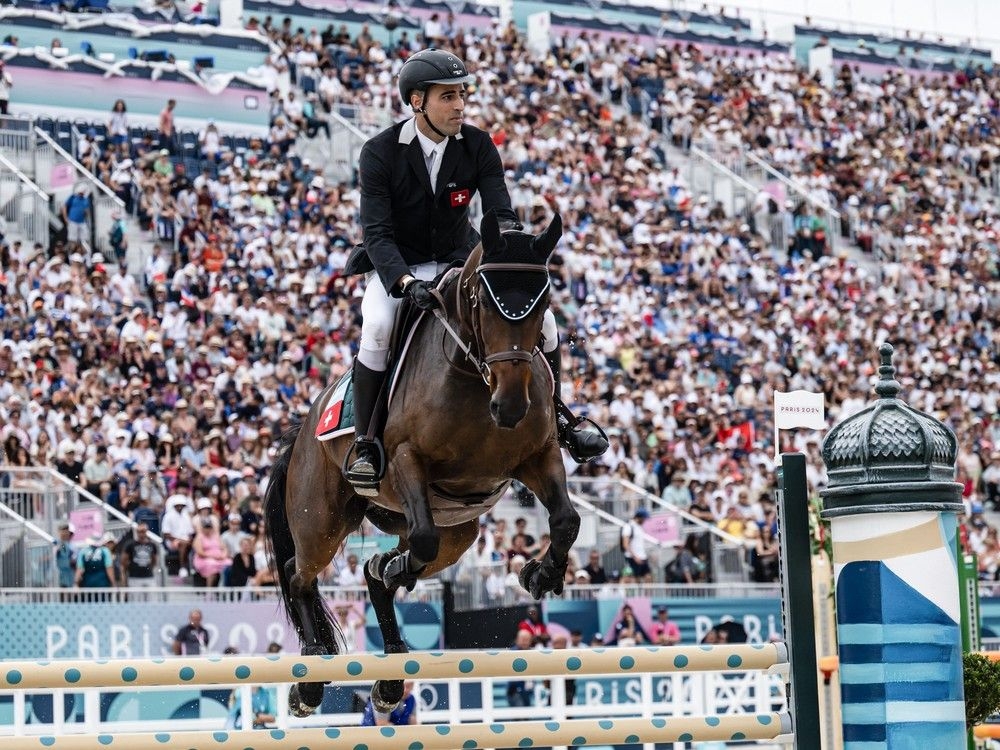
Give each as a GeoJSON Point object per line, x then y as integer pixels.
{"type": "Point", "coordinates": [482, 365]}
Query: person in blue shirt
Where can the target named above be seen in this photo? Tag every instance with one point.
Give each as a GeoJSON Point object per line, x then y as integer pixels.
{"type": "Point", "coordinates": [403, 714]}
{"type": "Point", "coordinates": [75, 213]}
{"type": "Point", "coordinates": [66, 556]}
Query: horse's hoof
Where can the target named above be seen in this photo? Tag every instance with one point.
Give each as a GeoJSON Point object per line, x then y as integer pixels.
{"type": "Point", "coordinates": [304, 699]}
{"type": "Point", "coordinates": [539, 578]}
{"type": "Point", "coordinates": [386, 695]}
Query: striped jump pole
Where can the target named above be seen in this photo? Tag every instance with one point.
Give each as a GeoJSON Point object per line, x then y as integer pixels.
{"type": "Point", "coordinates": [516, 734]}
{"type": "Point", "coordinates": [426, 665]}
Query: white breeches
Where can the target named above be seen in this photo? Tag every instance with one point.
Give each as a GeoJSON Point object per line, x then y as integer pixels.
{"type": "Point", "coordinates": [378, 311]}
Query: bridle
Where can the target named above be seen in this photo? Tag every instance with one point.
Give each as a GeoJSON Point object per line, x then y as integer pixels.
{"type": "Point", "coordinates": [469, 287]}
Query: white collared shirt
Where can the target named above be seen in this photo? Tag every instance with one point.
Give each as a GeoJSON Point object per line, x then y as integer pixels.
{"type": "Point", "coordinates": [433, 154]}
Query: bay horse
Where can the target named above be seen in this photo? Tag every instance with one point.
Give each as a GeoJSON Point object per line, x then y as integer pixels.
{"type": "Point", "coordinates": [472, 410]}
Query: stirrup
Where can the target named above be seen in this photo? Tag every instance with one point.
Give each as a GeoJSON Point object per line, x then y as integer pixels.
{"type": "Point", "coordinates": [365, 484]}
{"type": "Point", "coordinates": [567, 422]}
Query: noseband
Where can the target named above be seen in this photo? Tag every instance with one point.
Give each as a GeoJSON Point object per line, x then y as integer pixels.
{"type": "Point", "coordinates": [472, 295]}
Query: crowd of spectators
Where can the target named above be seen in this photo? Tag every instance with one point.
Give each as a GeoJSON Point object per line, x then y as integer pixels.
{"type": "Point", "coordinates": [679, 322]}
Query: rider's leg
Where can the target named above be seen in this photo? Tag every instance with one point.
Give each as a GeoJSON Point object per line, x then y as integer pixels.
{"type": "Point", "coordinates": [582, 444]}
{"type": "Point", "coordinates": [377, 312]}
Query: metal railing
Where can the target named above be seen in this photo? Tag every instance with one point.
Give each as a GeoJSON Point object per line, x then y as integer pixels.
{"type": "Point", "coordinates": [23, 204]}
{"type": "Point", "coordinates": [708, 175]}
{"type": "Point", "coordinates": [48, 156]}
{"type": "Point", "coordinates": [743, 162]}
{"type": "Point", "coordinates": [35, 501]}
{"type": "Point", "coordinates": [25, 552]}
{"type": "Point", "coordinates": [346, 140]}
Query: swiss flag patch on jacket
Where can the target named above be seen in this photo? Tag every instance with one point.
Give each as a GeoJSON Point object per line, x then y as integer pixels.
{"type": "Point", "coordinates": [459, 198]}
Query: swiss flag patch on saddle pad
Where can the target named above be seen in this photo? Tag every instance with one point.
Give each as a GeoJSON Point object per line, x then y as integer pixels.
{"type": "Point", "coordinates": [338, 416]}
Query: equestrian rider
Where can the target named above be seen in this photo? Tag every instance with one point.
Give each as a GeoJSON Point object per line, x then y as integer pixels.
{"type": "Point", "coordinates": [417, 180]}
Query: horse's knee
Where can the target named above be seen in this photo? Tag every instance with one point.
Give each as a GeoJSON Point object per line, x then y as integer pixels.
{"type": "Point", "coordinates": [424, 543]}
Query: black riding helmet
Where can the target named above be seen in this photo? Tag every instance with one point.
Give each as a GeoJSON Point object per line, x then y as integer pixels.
{"type": "Point", "coordinates": [428, 67]}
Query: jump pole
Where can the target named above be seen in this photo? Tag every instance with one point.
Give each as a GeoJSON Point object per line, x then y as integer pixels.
{"type": "Point", "coordinates": [426, 665]}
{"type": "Point", "coordinates": [515, 734]}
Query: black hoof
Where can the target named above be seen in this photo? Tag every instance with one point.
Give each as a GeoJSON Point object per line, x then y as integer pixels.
{"type": "Point", "coordinates": [386, 695]}
{"type": "Point", "coordinates": [539, 578]}
{"type": "Point", "coordinates": [304, 698]}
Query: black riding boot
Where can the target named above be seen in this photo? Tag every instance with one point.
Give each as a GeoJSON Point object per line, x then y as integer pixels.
{"type": "Point", "coordinates": [366, 467]}
{"type": "Point", "coordinates": [583, 445]}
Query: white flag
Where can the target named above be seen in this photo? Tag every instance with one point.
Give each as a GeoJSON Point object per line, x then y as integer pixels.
{"type": "Point", "coordinates": [799, 409]}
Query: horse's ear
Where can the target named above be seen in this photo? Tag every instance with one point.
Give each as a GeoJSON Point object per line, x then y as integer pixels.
{"type": "Point", "coordinates": [489, 229]}
{"type": "Point", "coordinates": [546, 242]}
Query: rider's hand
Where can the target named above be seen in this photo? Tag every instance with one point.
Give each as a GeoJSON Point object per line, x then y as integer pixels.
{"type": "Point", "coordinates": [420, 292]}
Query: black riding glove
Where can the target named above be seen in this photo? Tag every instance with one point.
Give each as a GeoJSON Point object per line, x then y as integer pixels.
{"type": "Point", "coordinates": [420, 292]}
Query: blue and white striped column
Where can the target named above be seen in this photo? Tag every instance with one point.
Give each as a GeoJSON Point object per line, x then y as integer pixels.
{"type": "Point", "coordinates": [898, 627]}
{"type": "Point", "coordinates": [892, 501]}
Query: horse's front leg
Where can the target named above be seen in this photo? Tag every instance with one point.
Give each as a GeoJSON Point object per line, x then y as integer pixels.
{"type": "Point", "coordinates": [408, 478]}
{"type": "Point", "coordinates": [545, 476]}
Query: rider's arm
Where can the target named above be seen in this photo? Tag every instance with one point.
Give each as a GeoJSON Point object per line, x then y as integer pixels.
{"type": "Point", "coordinates": [376, 220]}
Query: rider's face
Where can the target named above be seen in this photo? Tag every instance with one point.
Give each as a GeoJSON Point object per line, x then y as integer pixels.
{"type": "Point", "coordinates": [445, 106]}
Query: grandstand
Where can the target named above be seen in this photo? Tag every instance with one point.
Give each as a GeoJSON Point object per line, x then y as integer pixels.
{"type": "Point", "coordinates": [734, 227]}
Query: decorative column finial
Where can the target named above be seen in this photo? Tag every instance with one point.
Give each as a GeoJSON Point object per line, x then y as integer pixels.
{"type": "Point", "coordinates": [887, 386]}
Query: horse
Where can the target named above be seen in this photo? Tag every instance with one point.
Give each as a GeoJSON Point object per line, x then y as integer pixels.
{"type": "Point", "coordinates": [472, 410]}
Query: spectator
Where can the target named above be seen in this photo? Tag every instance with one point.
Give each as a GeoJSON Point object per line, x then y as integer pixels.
{"type": "Point", "coordinates": [595, 569]}
{"type": "Point", "coordinates": [353, 574]}
{"type": "Point", "coordinates": [139, 557]}
{"type": "Point", "coordinates": [97, 470]}
{"type": "Point", "coordinates": [6, 84]}
{"type": "Point", "coordinates": [764, 559]}
{"type": "Point", "coordinates": [350, 624]}
{"type": "Point", "coordinates": [520, 692]}
{"type": "Point", "coordinates": [634, 546]}
{"type": "Point", "coordinates": [191, 638]}
{"type": "Point", "coordinates": [233, 535]}
{"type": "Point", "coordinates": [95, 565]}
{"type": "Point", "coordinates": [178, 531]}
{"type": "Point", "coordinates": [166, 131]}
{"type": "Point", "coordinates": [118, 123]}
{"type": "Point", "coordinates": [244, 568]}
{"type": "Point", "coordinates": [210, 556]}
{"type": "Point", "coordinates": [65, 556]}
{"type": "Point", "coordinates": [664, 631]}
{"type": "Point", "coordinates": [628, 631]}
{"type": "Point", "coordinates": [76, 211]}
{"type": "Point", "coordinates": [534, 625]}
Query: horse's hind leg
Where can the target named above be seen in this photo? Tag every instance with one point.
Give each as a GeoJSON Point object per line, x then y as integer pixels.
{"type": "Point", "coordinates": [318, 536]}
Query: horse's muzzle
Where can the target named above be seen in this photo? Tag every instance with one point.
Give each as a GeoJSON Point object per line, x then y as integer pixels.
{"type": "Point", "coordinates": [506, 415]}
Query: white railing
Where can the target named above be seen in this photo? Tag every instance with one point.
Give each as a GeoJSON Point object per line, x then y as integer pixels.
{"type": "Point", "coordinates": [426, 591]}
{"type": "Point", "coordinates": [48, 155]}
{"type": "Point", "coordinates": [23, 203]}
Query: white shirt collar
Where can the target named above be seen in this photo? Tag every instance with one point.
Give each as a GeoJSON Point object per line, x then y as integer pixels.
{"type": "Point", "coordinates": [409, 131]}
{"type": "Point", "coordinates": [428, 146]}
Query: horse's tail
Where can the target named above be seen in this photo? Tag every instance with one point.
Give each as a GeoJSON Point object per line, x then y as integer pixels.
{"type": "Point", "coordinates": [279, 535]}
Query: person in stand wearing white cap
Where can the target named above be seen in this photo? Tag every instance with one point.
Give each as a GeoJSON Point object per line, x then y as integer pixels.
{"type": "Point", "coordinates": [177, 530]}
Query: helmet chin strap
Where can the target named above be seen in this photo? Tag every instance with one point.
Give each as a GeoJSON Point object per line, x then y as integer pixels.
{"type": "Point", "coordinates": [430, 124]}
